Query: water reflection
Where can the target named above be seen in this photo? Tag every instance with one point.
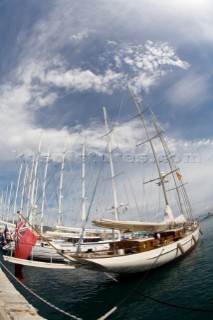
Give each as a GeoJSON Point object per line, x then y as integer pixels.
{"type": "Point", "coordinates": [89, 295]}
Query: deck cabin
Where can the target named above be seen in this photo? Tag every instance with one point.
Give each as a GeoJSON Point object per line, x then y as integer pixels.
{"type": "Point", "coordinates": [142, 244]}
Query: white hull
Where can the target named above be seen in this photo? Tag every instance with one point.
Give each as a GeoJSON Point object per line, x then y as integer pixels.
{"type": "Point", "coordinates": [38, 264]}
{"type": "Point", "coordinates": [38, 252]}
{"type": "Point", "coordinates": [139, 262]}
{"type": "Point", "coordinates": [47, 253]}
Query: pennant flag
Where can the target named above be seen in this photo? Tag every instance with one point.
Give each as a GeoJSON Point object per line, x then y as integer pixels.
{"type": "Point", "coordinates": [25, 240]}
{"type": "Point", "coordinates": [179, 176]}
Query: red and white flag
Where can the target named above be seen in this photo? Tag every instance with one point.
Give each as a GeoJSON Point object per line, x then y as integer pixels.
{"type": "Point", "coordinates": [25, 240]}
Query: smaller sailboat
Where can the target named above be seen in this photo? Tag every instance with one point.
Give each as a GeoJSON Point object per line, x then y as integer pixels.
{"type": "Point", "coordinates": [52, 245]}
{"type": "Point", "coordinates": [150, 244]}
{"type": "Point", "coordinates": [25, 241]}
{"type": "Point", "coordinates": [68, 239]}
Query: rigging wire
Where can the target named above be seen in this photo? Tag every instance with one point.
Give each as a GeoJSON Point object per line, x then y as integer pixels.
{"type": "Point", "coordinates": [130, 292]}
{"type": "Point", "coordinates": [134, 290]}
{"type": "Point", "coordinates": [88, 211]}
{"type": "Point", "coordinates": [105, 316]}
{"type": "Point", "coordinates": [144, 295]}
{"type": "Point", "coordinates": [134, 197]}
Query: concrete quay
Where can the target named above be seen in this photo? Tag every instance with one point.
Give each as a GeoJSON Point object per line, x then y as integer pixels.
{"type": "Point", "coordinates": [13, 306]}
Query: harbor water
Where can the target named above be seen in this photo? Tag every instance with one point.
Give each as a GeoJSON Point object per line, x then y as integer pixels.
{"type": "Point", "coordinates": [181, 290]}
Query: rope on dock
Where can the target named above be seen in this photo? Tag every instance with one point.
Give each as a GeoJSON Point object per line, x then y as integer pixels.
{"type": "Point", "coordinates": [38, 297]}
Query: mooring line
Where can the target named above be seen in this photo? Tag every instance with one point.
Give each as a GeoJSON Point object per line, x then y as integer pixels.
{"type": "Point", "coordinates": [39, 297]}
{"type": "Point", "coordinates": [106, 315]}
{"type": "Point", "coordinates": [115, 308]}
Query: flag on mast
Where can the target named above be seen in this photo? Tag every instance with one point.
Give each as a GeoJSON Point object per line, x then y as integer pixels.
{"type": "Point", "coordinates": [179, 176]}
{"type": "Point", "coordinates": [25, 240]}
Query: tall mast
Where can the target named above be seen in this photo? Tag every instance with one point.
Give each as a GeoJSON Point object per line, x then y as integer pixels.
{"type": "Point", "coordinates": [83, 180]}
{"type": "Point", "coordinates": [9, 198]}
{"type": "Point", "coordinates": [16, 194]}
{"type": "Point", "coordinates": [36, 201]}
{"type": "Point", "coordinates": [2, 204]}
{"type": "Point", "coordinates": [30, 179]}
{"type": "Point", "coordinates": [24, 188]}
{"type": "Point", "coordinates": [140, 113]}
{"type": "Point", "coordinates": [109, 147]}
{"type": "Point", "coordinates": [43, 190]}
{"type": "Point", "coordinates": [5, 204]}
{"type": "Point", "coordinates": [173, 170]}
{"type": "Point", "coordinates": [32, 204]}
{"type": "Point", "coordinates": [61, 187]}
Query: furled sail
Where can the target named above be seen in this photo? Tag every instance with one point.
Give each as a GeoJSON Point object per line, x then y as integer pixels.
{"type": "Point", "coordinates": [132, 226]}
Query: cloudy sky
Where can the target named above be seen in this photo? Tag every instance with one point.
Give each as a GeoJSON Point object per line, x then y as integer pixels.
{"type": "Point", "coordinates": [62, 61]}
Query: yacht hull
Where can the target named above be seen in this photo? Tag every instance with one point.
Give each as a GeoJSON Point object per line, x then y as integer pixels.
{"type": "Point", "coordinates": [140, 262]}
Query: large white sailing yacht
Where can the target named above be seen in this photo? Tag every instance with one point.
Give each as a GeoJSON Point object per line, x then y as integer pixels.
{"type": "Point", "coordinates": [151, 244]}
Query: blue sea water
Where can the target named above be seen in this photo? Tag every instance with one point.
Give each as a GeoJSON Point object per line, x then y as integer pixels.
{"type": "Point", "coordinates": [185, 283]}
